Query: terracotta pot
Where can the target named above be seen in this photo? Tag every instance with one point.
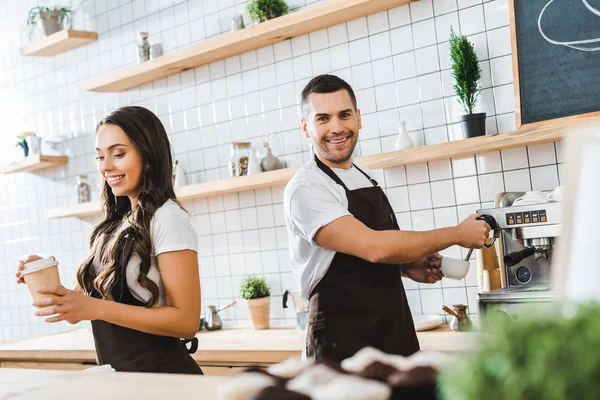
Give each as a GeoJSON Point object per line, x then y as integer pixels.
{"type": "Point", "coordinates": [259, 310]}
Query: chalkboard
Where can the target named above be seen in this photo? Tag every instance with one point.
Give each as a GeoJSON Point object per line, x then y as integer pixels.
{"type": "Point", "coordinates": [554, 80]}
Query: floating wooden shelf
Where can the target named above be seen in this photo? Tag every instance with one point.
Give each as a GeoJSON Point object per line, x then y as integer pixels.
{"type": "Point", "coordinates": [527, 135]}
{"type": "Point", "coordinates": [59, 42]}
{"type": "Point", "coordinates": [276, 30]}
{"type": "Point", "coordinates": [80, 210]}
{"type": "Point", "coordinates": [34, 162]}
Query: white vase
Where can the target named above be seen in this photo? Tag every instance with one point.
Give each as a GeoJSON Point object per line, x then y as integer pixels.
{"type": "Point", "coordinates": [403, 141]}
{"type": "Point", "coordinates": [253, 165]}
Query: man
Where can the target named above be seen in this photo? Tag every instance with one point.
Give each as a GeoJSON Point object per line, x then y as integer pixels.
{"type": "Point", "coordinates": [347, 251]}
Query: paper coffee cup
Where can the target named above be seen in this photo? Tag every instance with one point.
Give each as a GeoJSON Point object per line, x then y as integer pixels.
{"type": "Point", "coordinates": [40, 274]}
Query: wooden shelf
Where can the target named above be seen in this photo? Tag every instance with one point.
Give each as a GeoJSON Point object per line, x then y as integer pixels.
{"type": "Point", "coordinates": [34, 162]}
{"type": "Point", "coordinates": [276, 30]}
{"type": "Point", "coordinates": [241, 184]}
{"type": "Point", "coordinates": [80, 210]}
{"type": "Point", "coordinates": [527, 135]}
{"type": "Point", "coordinates": [59, 42]}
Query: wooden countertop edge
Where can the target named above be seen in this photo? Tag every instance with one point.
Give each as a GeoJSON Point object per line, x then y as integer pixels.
{"type": "Point", "coordinates": [430, 341]}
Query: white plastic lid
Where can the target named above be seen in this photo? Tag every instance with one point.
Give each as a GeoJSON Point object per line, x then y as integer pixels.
{"type": "Point", "coordinates": [38, 265]}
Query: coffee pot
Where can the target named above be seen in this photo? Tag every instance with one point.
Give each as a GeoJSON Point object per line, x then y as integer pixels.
{"type": "Point", "coordinates": [460, 319]}
{"type": "Point", "coordinates": [300, 305]}
{"type": "Point", "coordinates": [212, 321]}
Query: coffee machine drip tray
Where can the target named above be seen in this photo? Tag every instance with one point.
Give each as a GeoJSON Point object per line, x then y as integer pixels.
{"type": "Point", "coordinates": [519, 294]}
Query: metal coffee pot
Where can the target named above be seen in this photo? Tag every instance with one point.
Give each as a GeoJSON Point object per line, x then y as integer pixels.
{"type": "Point", "coordinates": [460, 318]}
{"type": "Point", "coordinates": [212, 321]}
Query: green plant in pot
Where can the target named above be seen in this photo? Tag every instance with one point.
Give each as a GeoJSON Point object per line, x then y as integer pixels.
{"type": "Point", "coordinates": [467, 74]}
{"type": "Point", "coordinates": [263, 10]}
{"type": "Point", "coordinates": [22, 143]}
{"type": "Point", "coordinates": [553, 357]}
{"type": "Point", "coordinates": [256, 293]}
{"type": "Point", "coordinates": [53, 18]}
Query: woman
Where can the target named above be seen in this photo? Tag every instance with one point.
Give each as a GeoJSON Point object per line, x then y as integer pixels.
{"type": "Point", "coordinates": [140, 284]}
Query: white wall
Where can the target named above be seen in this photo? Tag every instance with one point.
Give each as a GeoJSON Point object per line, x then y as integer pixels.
{"type": "Point", "coordinates": [397, 61]}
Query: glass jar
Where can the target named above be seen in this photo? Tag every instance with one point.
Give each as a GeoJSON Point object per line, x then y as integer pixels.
{"type": "Point", "coordinates": [82, 189]}
{"type": "Point", "coordinates": [238, 162]}
{"type": "Point", "coordinates": [143, 47]}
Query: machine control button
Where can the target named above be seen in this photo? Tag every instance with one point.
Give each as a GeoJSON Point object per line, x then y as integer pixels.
{"type": "Point", "coordinates": [543, 217]}
{"type": "Point", "coordinates": [535, 217]}
{"type": "Point", "coordinates": [526, 217]}
{"type": "Point", "coordinates": [510, 219]}
{"type": "Point", "coordinates": [519, 217]}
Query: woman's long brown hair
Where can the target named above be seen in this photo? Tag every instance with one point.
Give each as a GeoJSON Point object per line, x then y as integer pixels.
{"type": "Point", "coordinates": [113, 250]}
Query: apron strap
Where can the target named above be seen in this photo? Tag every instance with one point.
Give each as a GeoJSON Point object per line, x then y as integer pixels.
{"type": "Point", "coordinates": [193, 345]}
{"type": "Point", "coordinates": [373, 181]}
{"type": "Point", "coordinates": [336, 178]}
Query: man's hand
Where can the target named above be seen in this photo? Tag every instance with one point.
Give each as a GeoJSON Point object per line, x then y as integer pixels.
{"type": "Point", "coordinates": [472, 233]}
{"type": "Point", "coordinates": [426, 269]}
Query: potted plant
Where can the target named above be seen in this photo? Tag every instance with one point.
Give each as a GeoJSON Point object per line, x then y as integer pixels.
{"type": "Point", "coordinates": [53, 18]}
{"type": "Point", "coordinates": [467, 73]}
{"type": "Point", "coordinates": [22, 142]}
{"type": "Point", "coordinates": [550, 357]}
{"type": "Point", "coordinates": [255, 290]}
{"type": "Point", "coordinates": [263, 10]}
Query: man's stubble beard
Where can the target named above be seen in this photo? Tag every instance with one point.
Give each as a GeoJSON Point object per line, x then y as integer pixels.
{"type": "Point", "coordinates": [327, 155]}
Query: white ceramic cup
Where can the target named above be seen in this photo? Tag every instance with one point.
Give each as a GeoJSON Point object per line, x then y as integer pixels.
{"type": "Point", "coordinates": [454, 269]}
{"type": "Point", "coordinates": [557, 194]}
{"type": "Point", "coordinates": [531, 198]}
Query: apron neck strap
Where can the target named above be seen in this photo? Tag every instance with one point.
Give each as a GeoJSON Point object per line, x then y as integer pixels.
{"type": "Point", "coordinates": [336, 178]}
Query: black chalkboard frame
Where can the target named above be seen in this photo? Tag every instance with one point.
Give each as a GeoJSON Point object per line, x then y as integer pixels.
{"type": "Point", "coordinates": [517, 86]}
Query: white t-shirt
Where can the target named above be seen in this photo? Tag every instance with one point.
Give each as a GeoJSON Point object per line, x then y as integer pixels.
{"type": "Point", "coordinates": [171, 229]}
{"type": "Point", "coordinates": [312, 200]}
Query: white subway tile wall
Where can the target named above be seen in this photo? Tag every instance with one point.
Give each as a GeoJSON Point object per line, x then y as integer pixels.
{"type": "Point", "coordinates": [397, 61]}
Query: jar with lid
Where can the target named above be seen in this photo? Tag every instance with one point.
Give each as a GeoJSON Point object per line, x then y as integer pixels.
{"type": "Point", "coordinates": [143, 47]}
{"type": "Point", "coordinates": [82, 189]}
{"type": "Point", "coordinates": [238, 163]}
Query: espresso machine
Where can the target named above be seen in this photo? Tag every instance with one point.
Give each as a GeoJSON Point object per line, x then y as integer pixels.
{"type": "Point", "coordinates": [526, 231]}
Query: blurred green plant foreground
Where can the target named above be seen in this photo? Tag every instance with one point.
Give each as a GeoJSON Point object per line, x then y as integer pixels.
{"type": "Point", "coordinates": [554, 357]}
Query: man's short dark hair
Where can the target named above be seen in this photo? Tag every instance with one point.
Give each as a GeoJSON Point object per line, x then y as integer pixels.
{"type": "Point", "coordinates": [325, 84]}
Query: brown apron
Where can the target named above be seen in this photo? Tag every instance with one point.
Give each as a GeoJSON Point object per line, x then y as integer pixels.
{"type": "Point", "coordinates": [359, 303]}
{"type": "Point", "coordinates": [133, 351]}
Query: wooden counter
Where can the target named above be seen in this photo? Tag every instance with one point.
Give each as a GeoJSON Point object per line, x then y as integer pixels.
{"type": "Point", "coordinates": [19, 384]}
{"type": "Point", "coordinates": [219, 352]}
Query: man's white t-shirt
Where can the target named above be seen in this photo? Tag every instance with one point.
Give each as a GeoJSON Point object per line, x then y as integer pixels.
{"type": "Point", "coordinates": [311, 201]}
{"type": "Point", "coordinates": [171, 229]}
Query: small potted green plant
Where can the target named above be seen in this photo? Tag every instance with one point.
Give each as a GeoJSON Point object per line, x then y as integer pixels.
{"type": "Point", "coordinates": [53, 18]}
{"type": "Point", "coordinates": [22, 143]}
{"type": "Point", "coordinates": [263, 10]}
{"type": "Point", "coordinates": [550, 357]}
{"type": "Point", "coordinates": [256, 292]}
{"type": "Point", "coordinates": [466, 72]}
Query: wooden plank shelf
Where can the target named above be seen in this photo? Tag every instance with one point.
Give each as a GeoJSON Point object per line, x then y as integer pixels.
{"type": "Point", "coordinates": [58, 43]}
{"type": "Point", "coordinates": [527, 135]}
{"type": "Point", "coordinates": [276, 30]}
{"type": "Point", "coordinates": [80, 210]}
{"type": "Point", "coordinates": [33, 163]}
